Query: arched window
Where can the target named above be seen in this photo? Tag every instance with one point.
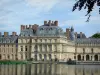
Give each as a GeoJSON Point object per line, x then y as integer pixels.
{"type": "Point", "coordinates": [96, 57]}
{"type": "Point", "coordinates": [79, 57]}
{"type": "Point", "coordinates": [87, 57]}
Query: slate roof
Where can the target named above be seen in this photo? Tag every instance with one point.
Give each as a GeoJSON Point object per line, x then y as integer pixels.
{"type": "Point", "coordinates": [27, 32]}
{"type": "Point", "coordinates": [8, 39]}
{"type": "Point", "coordinates": [88, 41]}
{"type": "Point", "coordinates": [44, 30]}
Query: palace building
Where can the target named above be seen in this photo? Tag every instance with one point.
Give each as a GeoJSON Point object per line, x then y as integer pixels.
{"type": "Point", "coordinates": [44, 43]}
{"type": "Point", "coordinates": [8, 46]}
{"type": "Point", "coordinates": [48, 42]}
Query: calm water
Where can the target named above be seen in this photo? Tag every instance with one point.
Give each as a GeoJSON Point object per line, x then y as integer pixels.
{"type": "Point", "coordinates": [49, 69]}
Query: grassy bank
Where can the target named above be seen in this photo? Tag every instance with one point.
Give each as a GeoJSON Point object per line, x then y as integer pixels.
{"type": "Point", "coordinates": [12, 62]}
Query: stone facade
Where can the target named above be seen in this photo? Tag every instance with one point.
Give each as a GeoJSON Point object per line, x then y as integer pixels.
{"type": "Point", "coordinates": [87, 49]}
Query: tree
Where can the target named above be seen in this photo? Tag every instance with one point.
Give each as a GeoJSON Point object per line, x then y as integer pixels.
{"type": "Point", "coordinates": [87, 4]}
{"type": "Point", "coordinates": [96, 35]}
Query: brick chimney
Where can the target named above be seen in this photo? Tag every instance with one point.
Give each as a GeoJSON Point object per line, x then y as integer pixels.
{"type": "Point", "coordinates": [22, 27]}
{"type": "Point", "coordinates": [56, 23]}
{"type": "Point", "coordinates": [5, 34]}
{"type": "Point", "coordinates": [34, 27]}
{"type": "Point", "coordinates": [81, 34]}
{"type": "Point", "coordinates": [45, 22]}
{"type": "Point", "coordinates": [68, 33]}
{"type": "Point", "coordinates": [52, 23]}
{"type": "Point", "coordinates": [14, 33]}
{"type": "Point", "coordinates": [49, 22]}
{"type": "Point", "coordinates": [29, 26]}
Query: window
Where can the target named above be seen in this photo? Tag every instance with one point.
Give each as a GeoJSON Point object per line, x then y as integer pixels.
{"type": "Point", "coordinates": [92, 50]}
{"type": "Point", "coordinates": [25, 48]}
{"type": "Point", "coordinates": [12, 50]}
{"type": "Point", "coordinates": [21, 48]}
{"type": "Point", "coordinates": [74, 57]}
{"type": "Point", "coordinates": [35, 40]}
{"type": "Point", "coordinates": [83, 50]}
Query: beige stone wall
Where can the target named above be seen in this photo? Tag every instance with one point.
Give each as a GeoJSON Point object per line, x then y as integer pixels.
{"type": "Point", "coordinates": [88, 52]}
{"type": "Point", "coordinates": [51, 47]}
{"type": "Point", "coordinates": [8, 52]}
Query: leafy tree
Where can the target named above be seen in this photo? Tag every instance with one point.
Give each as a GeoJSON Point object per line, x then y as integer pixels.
{"type": "Point", "coordinates": [96, 35]}
{"type": "Point", "coordinates": [87, 4]}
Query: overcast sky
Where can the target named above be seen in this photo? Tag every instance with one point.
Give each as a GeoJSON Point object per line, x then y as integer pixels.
{"type": "Point", "coordinates": [13, 13]}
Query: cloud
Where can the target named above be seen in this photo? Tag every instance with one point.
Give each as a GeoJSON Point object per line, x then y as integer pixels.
{"type": "Point", "coordinates": [42, 5]}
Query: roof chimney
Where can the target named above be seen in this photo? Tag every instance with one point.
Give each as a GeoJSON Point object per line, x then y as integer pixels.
{"type": "Point", "coordinates": [22, 27]}
{"type": "Point", "coordinates": [49, 22]}
{"type": "Point", "coordinates": [29, 26]}
{"type": "Point", "coordinates": [56, 23]}
{"type": "Point", "coordinates": [34, 27]}
{"type": "Point", "coordinates": [81, 34]}
{"type": "Point", "coordinates": [68, 33]}
{"type": "Point", "coordinates": [45, 22]}
{"type": "Point", "coordinates": [14, 33]}
{"type": "Point", "coordinates": [5, 34]}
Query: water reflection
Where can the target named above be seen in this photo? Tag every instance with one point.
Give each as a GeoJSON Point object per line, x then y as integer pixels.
{"type": "Point", "coordinates": [49, 69]}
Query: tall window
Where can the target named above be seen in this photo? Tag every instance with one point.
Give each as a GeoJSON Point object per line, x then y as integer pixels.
{"type": "Point", "coordinates": [92, 50]}
{"type": "Point", "coordinates": [41, 48]}
{"type": "Point", "coordinates": [25, 48]}
{"type": "Point", "coordinates": [35, 48]}
{"type": "Point", "coordinates": [21, 48]}
{"type": "Point", "coordinates": [35, 40]}
{"type": "Point", "coordinates": [55, 48]}
{"type": "Point", "coordinates": [83, 50]}
{"type": "Point", "coordinates": [12, 50]}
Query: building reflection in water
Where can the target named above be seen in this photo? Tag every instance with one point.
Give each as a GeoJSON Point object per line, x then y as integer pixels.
{"type": "Point", "coordinates": [49, 69]}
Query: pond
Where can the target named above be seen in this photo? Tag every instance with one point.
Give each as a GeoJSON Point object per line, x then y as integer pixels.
{"type": "Point", "coordinates": [49, 69]}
